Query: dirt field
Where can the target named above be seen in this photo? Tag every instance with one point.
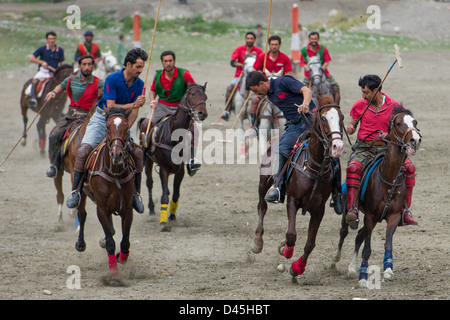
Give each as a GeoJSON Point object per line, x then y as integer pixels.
{"type": "Point", "coordinates": [208, 255]}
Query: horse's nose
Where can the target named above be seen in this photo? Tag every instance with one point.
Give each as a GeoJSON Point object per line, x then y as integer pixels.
{"type": "Point", "coordinates": [202, 115]}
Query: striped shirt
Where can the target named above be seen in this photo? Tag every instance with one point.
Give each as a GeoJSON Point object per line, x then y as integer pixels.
{"type": "Point", "coordinates": [77, 86]}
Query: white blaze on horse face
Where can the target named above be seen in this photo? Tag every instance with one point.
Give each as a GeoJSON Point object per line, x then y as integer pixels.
{"type": "Point", "coordinates": [117, 122]}
{"type": "Point", "coordinates": [337, 146]}
{"type": "Point", "coordinates": [409, 121]}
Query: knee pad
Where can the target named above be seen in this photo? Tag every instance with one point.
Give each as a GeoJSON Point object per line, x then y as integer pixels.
{"type": "Point", "coordinates": [354, 173]}
{"type": "Point", "coordinates": [410, 173]}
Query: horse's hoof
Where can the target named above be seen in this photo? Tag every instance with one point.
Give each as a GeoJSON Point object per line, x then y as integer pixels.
{"type": "Point", "coordinates": [102, 243]}
{"type": "Point", "coordinates": [80, 247]}
{"type": "Point", "coordinates": [351, 273]}
{"type": "Point", "coordinates": [362, 283]}
{"type": "Point", "coordinates": [281, 247]}
{"type": "Point", "coordinates": [172, 220]}
{"type": "Point", "coordinates": [388, 274]}
{"type": "Point", "coordinates": [164, 227]}
{"type": "Point", "coordinates": [256, 248]}
{"type": "Point", "coordinates": [24, 142]}
{"type": "Point", "coordinates": [151, 212]}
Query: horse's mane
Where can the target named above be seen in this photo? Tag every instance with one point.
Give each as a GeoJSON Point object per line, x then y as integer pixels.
{"type": "Point", "coordinates": [115, 110]}
{"type": "Point", "coordinates": [325, 99]}
{"type": "Point", "coordinates": [399, 108]}
{"type": "Point", "coordinates": [64, 66]}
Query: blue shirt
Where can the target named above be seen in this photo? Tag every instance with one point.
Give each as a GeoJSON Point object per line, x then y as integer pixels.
{"type": "Point", "coordinates": [284, 92]}
{"type": "Point", "coordinates": [117, 89]}
{"type": "Point", "coordinates": [53, 58]}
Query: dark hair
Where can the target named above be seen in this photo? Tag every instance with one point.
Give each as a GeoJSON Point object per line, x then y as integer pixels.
{"type": "Point", "coordinates": [312, 33]}
{"type": "Point", "coordinates": [134, 54]}
{"type": "Point", "coordinates": [167, 53]}
{"type": "Point", "coordinates": [88, 56]}
{"type": "Point", "coordinates": [371, 81]}
{"type": "Point", "coordinates": [121, 37]}
{"type": "Point", "coordinates": [252, 33]}
{"type": "Point", "coordinates": [254, 78]}
{"type": "Point", "coordinates": [278, 38]}
{"type": "Point", "coordinates": [50, 33]}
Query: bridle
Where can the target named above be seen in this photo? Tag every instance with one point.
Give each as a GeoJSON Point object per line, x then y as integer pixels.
{"type": "Point", "coordinates": [190, 110]}
{"type": "Point", "coordinates": [400, 140]}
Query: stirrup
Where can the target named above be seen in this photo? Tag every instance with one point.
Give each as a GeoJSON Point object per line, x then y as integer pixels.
{"type": "Point", "coordinates": [70, 199]}
{"type": "Point", "coordinates": [273, 195]}
{"type": "Point", "coordinates": [137, 203]}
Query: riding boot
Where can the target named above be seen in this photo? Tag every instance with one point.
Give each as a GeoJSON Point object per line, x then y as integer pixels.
{"type": "Point", "coordinates": [354, 173]}
{"type": "Point", "coordinates": [32, 102]}
{"type": "Point", "coordinates": [253, 127]}
{"type": "Point", "coordinates": [73, 201]}
{"type": "Point", "coordinates": [336, 198]}
{"type": "Point", "coordinates": [277, 192]}
{"type": "Point", "coordinates": [410, 173]}
{"type": "Point", "coordinates": [137, 200]}
{"type": "Point", "coordinates": [75, 196]}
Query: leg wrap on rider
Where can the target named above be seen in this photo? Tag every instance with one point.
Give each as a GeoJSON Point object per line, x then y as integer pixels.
{"type": "Point", "coordinates": [410, 173]}
{"type": "Point", "coordinates": [354, 173]}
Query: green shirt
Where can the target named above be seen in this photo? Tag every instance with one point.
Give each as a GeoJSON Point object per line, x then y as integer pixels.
{"type": "Point", "coordinates": [77, 86]}
{"type": "Point", "coordinates": [121, 52]}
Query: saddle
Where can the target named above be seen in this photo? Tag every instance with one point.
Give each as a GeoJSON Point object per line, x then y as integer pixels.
{"type": "Point", "coordinates": [69, 134]}
{"type": "Point", "coordinates": [39, 88]}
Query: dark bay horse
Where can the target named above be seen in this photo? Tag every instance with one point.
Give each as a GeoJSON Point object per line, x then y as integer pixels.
{"type": "Point", "coordinates": [162, 150]}
{"type": "Point", "coordinates": [385, 196]}
{"type": "Point", "coordinates": [309, 185]}
{"type": "Point", "coordinates": [52, 110]}
{"type": "Point", "coordinates": [69, 150]}
{"type": "Point", "coordinates": [111, 186]}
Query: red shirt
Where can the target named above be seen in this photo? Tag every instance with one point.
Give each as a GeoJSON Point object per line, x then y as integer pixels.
{"type": "Point", "coordinates": [167, 84]}
{"type": "Point", "coordinates": [373, 120]}
{"type": "Point", "coordinates": [326, 58]}
{"type": "Point", "coordinates": [282, 61]}
{"type": "Point", "coordinates": [239, 54]}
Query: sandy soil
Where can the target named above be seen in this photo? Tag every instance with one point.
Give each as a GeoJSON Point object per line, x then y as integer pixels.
{"type": "Point", "coordinates": [207, 256]}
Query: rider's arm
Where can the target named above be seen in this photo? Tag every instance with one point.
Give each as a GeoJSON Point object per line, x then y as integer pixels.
{"type": "Point", "coordinates": [307, 96]}
{"type": "Point", "coordinates": [52, 94]}
{"type": "Point", "coordinates": [351, 127]}
{"type": "Point", "coordinates": [33, 59]}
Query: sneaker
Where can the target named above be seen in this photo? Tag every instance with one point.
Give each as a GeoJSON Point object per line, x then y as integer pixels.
{"type": "Point", "coordinates": [226, 115]}
{"type": "Point", "coordinates": [73, 201]}
{"type": "Point", "coordinates": [52, 171]}
{"type": "Point", "coordinates": [137, 203]}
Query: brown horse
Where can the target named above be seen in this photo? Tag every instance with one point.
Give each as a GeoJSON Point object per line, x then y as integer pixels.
{"type": "Point", "coordinates": [111, 186]}
{"type": "Point", "coordinates": [69, 150]}
{"type": "Point", "coordinates": [384, 196]}
{"type": "Point", "coordinates": [309, 184]}
{"type": "Point", "coordinates": [163, 150]}
{"type": "Point", "coordinates": [52, 110]}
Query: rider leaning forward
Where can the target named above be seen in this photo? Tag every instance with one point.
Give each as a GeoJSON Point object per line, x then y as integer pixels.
{"type": "Point", "coordinates": [83, 89]}
{"type": "Point", "coordinates": [123, 89]}
{"type": "Point", "coordinates": [373, 129]}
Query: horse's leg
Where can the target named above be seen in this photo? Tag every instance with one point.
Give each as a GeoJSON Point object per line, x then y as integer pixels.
{"type": "Point", "coordinates": [388, 262]}
{"type": "Point", "coordinates": [59, 195]}
{"type": "Point", "coordinates": [24, 109]}
{"type": "Point", "coordinates": [291, 233]}
{"type": "Point", "coordinates": [263, 135]}
{"type": "Point", "coordinates": [164, 177]}
{"type": "Point", "coordinates": [343, 232]}
{"type": "Point", "coordinates": [105, 220]}
{"type": "Point", "coordinates": [176, 196]}
{"type": "Point", "coordinates": [369, 224]}
{"type": "Point", "coordinates": [81, 244]}
{"type": "Point", "coordinates": [149, 183]}
{"type": "Point", "coordinates": [127, 219]}
{"type": "Point", "coordinates": [298, 267]}
{"type": "Point", "coordinates": [258, 241]}
{"type": "Point", "coordinates": [41, 133]}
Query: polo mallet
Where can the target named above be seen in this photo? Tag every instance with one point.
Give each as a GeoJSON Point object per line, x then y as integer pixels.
{"type": "Point", "coordinates": [144, 136]}
{"type": "Point", "coordinates": [267, 37]}
{"type": "Point", "coordinates": [400, 65]}
{"type": "Point", "coordinates": [76, 35]}
{"type": "Point", "coordinates": [228, 101]}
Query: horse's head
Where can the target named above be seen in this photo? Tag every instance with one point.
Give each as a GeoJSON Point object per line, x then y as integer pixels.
{"type": "Point", "coordinates": [111, 63]}
{"type": "Point", "coordinates": [329, 122]}
{"type": "Point", "coordinates": [117, 134]}
{"type": "Point", "coordinates": [194, 102]}
{"type": "Point", "coordinates": [62, 72]}
{"type": "Point", "coordinates": [404, 131]}
{"type": "Point", "coordinates": [248, 64]}
{"type": "Point", "coordinates": [315, 70]}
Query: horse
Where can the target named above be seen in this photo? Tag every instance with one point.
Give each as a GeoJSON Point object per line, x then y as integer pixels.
{"type": "Point", "coordinates": [52, 110]}
{"type": "Point", "coordinates": [384, 196]}
{"type": "Point", "coordinates": [318, 81]}
{"type": "Point", "coordinates": [110, 184]}
{"type": "Point", "coordinates": [107, 65]}
{"type": "Point", "coordinates": [309, 181]}
{"type": "Point", "coordinates": [69, 149]}
{"type": "Point", "coordinates": [161, 150]}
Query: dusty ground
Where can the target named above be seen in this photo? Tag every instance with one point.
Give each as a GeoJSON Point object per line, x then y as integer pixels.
{"type": "Point", "coordinates": [208, 255]}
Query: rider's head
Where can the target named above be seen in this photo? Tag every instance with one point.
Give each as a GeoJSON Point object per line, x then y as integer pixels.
{"type": "Point", "coordinates": [274, 43]}
{"type": "Point", "coordinates": [250, 39]}
{"type": "Point", "coordinates": [313, 38]}
{"type": "Point", "coordinates": [368, 84]}
{"type": "Point", "coordinates": [51, 38]}
{"type": "Point", "coordinates": [135, 61]}
{"type": "Point", "coordinates": [257, 82]}
{"type": "Point", "coordinates": [86, 65]}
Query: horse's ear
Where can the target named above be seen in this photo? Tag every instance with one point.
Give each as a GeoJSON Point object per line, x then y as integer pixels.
{"type": "Point", "coordinates": [204, 86]}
